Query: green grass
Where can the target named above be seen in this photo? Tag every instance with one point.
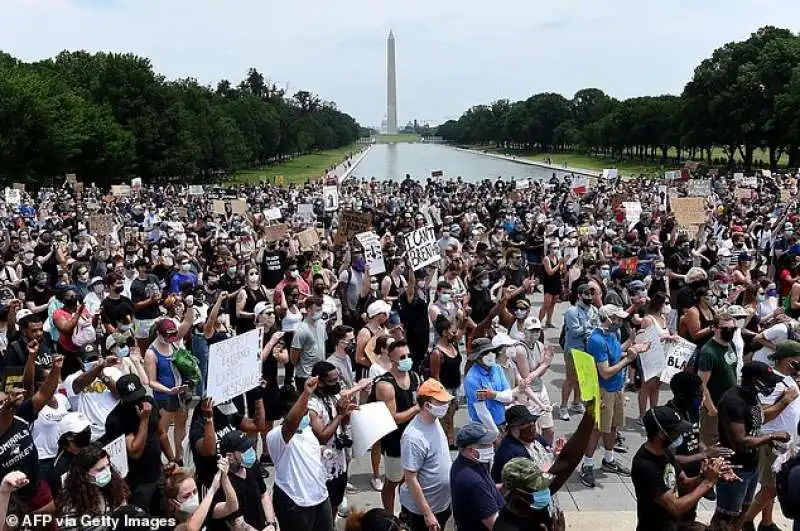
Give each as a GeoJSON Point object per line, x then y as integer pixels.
{"type": "Point", "coordinates": [404, 138]}
{"type": "Point", "coordinates": [298, 169]}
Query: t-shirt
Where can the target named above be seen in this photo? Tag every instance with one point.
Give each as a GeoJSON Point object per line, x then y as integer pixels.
{"type": "Point", "coordinates": [249, 491]}
{"type": "Point", "coordinates": [123, 420]}
{"type": "Point", "coordinates": [424, 450]}
{"type": "Point", "coordinates": [776, 334]}
{"type": "Point", "coordinates": [345, 367]}
{"type": "Point", "coordinates": [142, 290]}
{"type": "Point", "coordinates": [18, 450]}
{"type": "Point", "coordinates": [691, 439]}
{"type": "Point", "coordinates": [508, 521]}
{"type": "Point", "coordinates": [474, 494]}
{"type": "Point", "coordinates": [95, 401]}
{"type": "Point", "coordinates": [45, 428]}
{"type": "Point", "coordinates": [604, 346]}
{"type": "Point", "coordinates": [226, 418]}
{"type": "Point", "coordinates": [114, 310]}
{"type": "Point", "coordinates": [736, 406]}
{"type": "Point", "coordinates": [788, 419]}
{"type": "Point", "coordinates": [310, 338]}
{"type": "Point", "coordinates": [334, 460]}
{"type": "Point", "coordinates": [298, 466]}
{"type": "Point", "coordinates": [509, 448]}
{"type": "Point", "coordinates": [720, 361]}
{"type": "Point", "coordinates": [653, 476]}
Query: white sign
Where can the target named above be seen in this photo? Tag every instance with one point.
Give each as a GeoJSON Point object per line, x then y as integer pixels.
{"type": "Point", "coordinates": [195, 189]}
{"type": "Point", "coordinates": [738, 176]}
{"type": "Point", "coordinates": [13, 196]}
{"type": "Point", "coordinates": [699, 188]}
{"type": "Point", "coordinates": [653, 361]}
{"type": "Point", "coordinates": [369, 423]}
{"type": "Point", "coordinates": [273, 213]}
{"type": "Point", "coordinates": [766, 173]}
{"type": "Point", "coordinates": [610, 173]}
{"type": "Point", "coordinates": [118, 455]}
{"type": "Point", "coordinates": [306, 211]}
{"type": "Point", "coordinates": [330, 195]}
{"type": "Point", "coordinates": [136, 184]}
{"type": "Point", "coordinates": [750, 182]}
{"type": "Point", "coordinates": [677, 353]}
{"type": "Point", "coordinates": [580, 184]}
{"type": "Point", "coordinates": [373, 253]}
{"type": "Point", "coordinates": [523, 184]}
{"type": "Point", "coordinates": [421, 247]}
{"type": "Point", "coordinates": [234, 366]}
{"type": "Point", "coordinates": [633, 209]}
{"type": "Point", "coordinates": [673, 175]}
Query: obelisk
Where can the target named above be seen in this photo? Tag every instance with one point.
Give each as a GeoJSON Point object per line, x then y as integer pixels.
{"type": "Point", "coordinates": [391, 87]}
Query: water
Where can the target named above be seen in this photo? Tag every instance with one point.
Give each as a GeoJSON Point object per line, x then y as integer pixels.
{"type": "Point", "coordinates": [394, 161]}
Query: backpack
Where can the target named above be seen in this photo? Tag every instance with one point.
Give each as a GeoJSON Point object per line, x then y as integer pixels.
{"type": "Point", "coordinates": [84, 333]}
{"type": "Point", "coordinates": [790, 510]}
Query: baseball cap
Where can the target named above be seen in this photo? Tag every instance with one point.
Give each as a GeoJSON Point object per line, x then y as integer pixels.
{"type": "Point", "coordinates": [760, 371]}
{"type": "Point", "coordinates": [262, 307]}
{"type": "Point", "coordinates": [95, 280]}
{"type": "Point", "coordinates": [117, 339]}
{"type": "Point", "coordinates": [433, 388]}
{"type": "Point", "coordinates": [533, 323]}
{"type": "Point", "coordinates": [167, 328]}
{"type": "Point", "coordinates": [636, 285]}
{"type": "Point", "coordinates": [521, 473]}
{"type": "Point", "coordinates": [607, 311]}
{"type": "Point", "coordinates": [73, 422]}
{"type": "Point", "coordinates": [502, 339]}
{"type": "Point", "coordinates": [474, 433]}
{"type": "Point", "coordinates": [519, 415]}
{"type": "Point", "coordinates": [666, 419]}
{"type": "Point", "coordinates": [22, 314]}
{"type": "Point", "coordinates": [480, 347]}
{"type": "Point", "coordinates": [378, 307]}
{"type": "Point", "coordinates": [785, 349]}
{"type": "Point", "coordinates": [130, 389]}
{"type": "Point", "coordinates": [234, 441]}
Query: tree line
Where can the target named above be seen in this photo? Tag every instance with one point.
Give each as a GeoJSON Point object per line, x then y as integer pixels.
{"type": "Point", "coordinates": [744, 97]}
{"type": "Point", "coordinates": [107, 117]}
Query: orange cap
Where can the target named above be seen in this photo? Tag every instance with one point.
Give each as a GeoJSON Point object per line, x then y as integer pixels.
{"type": "Point", "coordinates": [433, 388]}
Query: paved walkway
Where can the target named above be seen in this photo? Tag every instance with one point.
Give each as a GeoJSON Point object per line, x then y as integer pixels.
{"type": "Point", "coordinates": [554, 167]}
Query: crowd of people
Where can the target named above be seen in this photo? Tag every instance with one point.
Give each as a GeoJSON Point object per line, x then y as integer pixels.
{"type": "Point", "coordinates": [110, 304]}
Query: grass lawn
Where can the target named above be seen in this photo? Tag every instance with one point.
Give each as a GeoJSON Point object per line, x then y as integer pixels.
{"type": "Point", "coordinates": [407, 138]}
{"type": "Point", "coordinates": [298, 169]}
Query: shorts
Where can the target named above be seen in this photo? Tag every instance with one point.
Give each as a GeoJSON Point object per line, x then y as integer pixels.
{"type": "Point", "coordinates": [733, 497]}
{"type": "Point", "coordinates": [393, 469]}
{"type": "Point", "coordinates": [141, 328]}
{"type": "Point", "coordinates": [766, 458]}
{"type": "Point", "coordinates": [545, 421]}
{"type": "Point", "coordinates": [709, 428]}
{"type": "Point", "coordinates": [336, 488]}
{"type": "Point", "coordinates": [170, 404]}
{"type": "Point", "coordinates": [612, 410]}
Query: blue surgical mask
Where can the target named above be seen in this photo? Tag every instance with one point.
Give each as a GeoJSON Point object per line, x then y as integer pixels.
{"type": "Point", "coordinates": [404, 365]}
{"type": "Point", "coordinates": [124, 351]}
{"type": "Point", "coordinates": [541, 499]}
{"type": "Point", "coordinates": [249, 458]}
{"type": "Point", "coordinates": [304, 422]}
{"type": "Point", "coordinates": [102, 478]}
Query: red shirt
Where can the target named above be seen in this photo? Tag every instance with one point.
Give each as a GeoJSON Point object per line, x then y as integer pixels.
{"type": "Point", "coordinates": [301, 284]}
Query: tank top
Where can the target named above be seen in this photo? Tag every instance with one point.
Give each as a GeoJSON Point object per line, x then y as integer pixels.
{"type": "Point", "coordinates": [553, 280]}
{"type": "Point", "coordinates": [450, 370]}
{"type": "Point", "coordinates": [253, 298]}
{"type": "Point", "coordinates": [404, 399]}
{"type": "Point", "coordinates": [291, 320]}
{"type": "Point", "coordinates": [165, 375]}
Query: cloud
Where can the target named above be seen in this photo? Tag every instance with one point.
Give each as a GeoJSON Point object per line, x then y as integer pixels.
{"type": "Point", "coordinates": [450, 54]}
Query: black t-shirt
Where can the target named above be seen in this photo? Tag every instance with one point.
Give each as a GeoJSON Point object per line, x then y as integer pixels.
{"type": "Point", "coordinates": [114, 310]}
{"type": "Point", "coordinates": [123, 420]}
{"type": "Point", "coordinates": [653, 476]}
{"type": "Point", "coordinates": [691, 439]}
{"type": "Point", "coordinates": [50, 266]}
{"type": "Point", "coordinates": [17, 356]}
{"type": "Point", "coordinates": [18, 451]}
{"type": "Point", "coordinates": [508, 521]}
{"type": "Point", "coordinates": [249, 491]}
{"type": "Point", "coordinates": [223, 423]}
{"type": "Point", "coordinates": [273, 268]}
{"type": "Point", "coordinates": [736, 406]}
{"type": "Point", "coordinates": [39, 297]}
{"type": "Point", "coordinates": [142, 290]}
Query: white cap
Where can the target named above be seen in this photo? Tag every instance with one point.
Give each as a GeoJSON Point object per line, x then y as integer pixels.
{"type": "Point", "coordinates": [95, 280]}
{"type": "Point", "coordinates": [73, 422]}
{"type": "Point", "coordinates": [22, 314]}
{"type": "Point", "coordinates": [262, 307]}
{"type": "Point", "coordinates": [378, 307]}
{"type": "Point", "coordinates": [533, 323]}
{"type": "Point", "coordinates": [502, 339]}
{"type": "Point", "coordinates": [608, 311]}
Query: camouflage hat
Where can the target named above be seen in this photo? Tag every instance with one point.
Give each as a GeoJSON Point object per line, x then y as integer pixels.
{"type": "Point", "coordinates": [522, 474]}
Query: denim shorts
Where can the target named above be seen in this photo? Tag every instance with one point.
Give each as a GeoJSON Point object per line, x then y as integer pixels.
{"type": "Point", "coordinates": [731, 497]}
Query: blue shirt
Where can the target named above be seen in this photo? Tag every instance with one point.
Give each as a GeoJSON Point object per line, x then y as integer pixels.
{"type": "Point", "coordinates": [509, 448]}
{"type": "Point", "coordinates": [479, 377]}
{"type": "Point", "coordinates": [606, 347]}
{"type": "Point", "coordinates": [473, 493]}
{"type": "Point", "coordinates": [178, 279]}
{"type": "Point", "coordinates": [579, 321]}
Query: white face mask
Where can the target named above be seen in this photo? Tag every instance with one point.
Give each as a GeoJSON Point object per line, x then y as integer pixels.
{"type": "Point", "coordinates": [666, 309]}
{"type": "Point", "coordinates": [490, 359]}
{"type": "Point", "coordinates": [485, 455]}
{"type": "Point", "coordinates": [438, 411]}
{"type": "Point", "coordinates": [191, 504]}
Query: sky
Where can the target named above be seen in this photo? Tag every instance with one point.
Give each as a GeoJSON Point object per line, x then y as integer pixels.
{"type": "Point", "coordinates": [451, 54]}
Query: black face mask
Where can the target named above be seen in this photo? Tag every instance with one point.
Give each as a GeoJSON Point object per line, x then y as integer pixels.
{"type": "Point", "coordinates": [763, 389]}
{"type": "Point", "coordinates": [726, 334]}
{"type": "Point", "coordinates": [795, 365]}
{"type": "Point", "coordinates": [70, 302]}
{"type": "Point", "coordinates": [319, 290]}
{"type": "Point", "coordinates": [82, 439]}
{"type": "Point", "coordinates": [331, 389]}
{"type": "Point", "coordinates": [119, 289]}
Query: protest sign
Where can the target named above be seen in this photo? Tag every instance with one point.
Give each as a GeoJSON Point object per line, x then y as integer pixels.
{"type": "Point", "coordinates": [183, 213]}
{"type": "Point", "coordinates": [118, 455]}
{"type": "Point", "coordinates": [279, 180]}
{"type": "Point", "coordinates": [71, 178]}
{"type": "Point", "coordinates": [195, 189]}
{"type": "Point", "coordinates": [218, 206]}
{"type": "Point", "coordinates": [13, 196]}
{"type": "Point", "coordinates": [369, 423]}
{"type": "Point", "coordinates": [672, 175]}
{"type": "Point", "coordinates": [522, 184]}
{"type": "Point", "coordinates": [352, 223]}
{"type": "Point", "coordinates": [239, 206]}
{"type": "Point", "coordinates": [78, 187]}
{"type": "Point", "coordinates": [586, 370]}
{"type": "Point", "coordinates": [437, 173]}
{"type": "Point", "coordinates": [18, 186]}
{"type": "Point", "coordinates": [750, 182]}
{"type": "Point", "coordinates": [766, 173]}
{"type": "Point", "coordinates": [618, 199]}
{"type": "Point", "coordinates": [677, 353]}
{"type": "Point", "coordinates": [609, 173]}
{"type": "Point", "coordinates": [421, 247]}
{"type": "Point", "coordinates": [633, 209]}
{"type": "Point", "coordinates": [743, 193]}
{"type": "Point", "coordinates": [101, 223]}
{"type": "Point", "coordinates": [580, 185]}
{"type": "Point", "coordinates": [738, 177]}
{"type": "Point", "coordinates": [306, 211]}
{"type": "Point", "coordinates": [786, 196]}
{"type": "Point", "coordinates": [12, 378]}
{"type": "Point", "coordinates": [330, 196]}
{"type": "Point", "coordinates": [120, 190]}
{"type": "Point", "coordinates": [234, 366]}
{"type": "Point", "coordinates": [699, 188]}
{"type": "Point", "coordinates": [308, 239]}
{"type": "Point", "coordinates": [275, 233]}
{"type": "Point", "coordinates": [373, 253]}
{"type": "Point", "coordinates": [136, 185]}
{"type": "Point", "coordinates": [628, 265]}
{"type": "Point", "coordinates": [689, 210]}
{"type": "Point", "coordinates": [652, 361]}
{"type": "Point", "coordinates": [273, 213]}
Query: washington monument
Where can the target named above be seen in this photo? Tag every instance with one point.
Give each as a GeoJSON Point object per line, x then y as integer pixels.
{"type": "Point", "coordinates": [391, 87]}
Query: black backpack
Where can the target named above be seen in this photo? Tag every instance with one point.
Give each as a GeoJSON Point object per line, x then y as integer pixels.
{"type": "Point", "coordinates": [789, 509]}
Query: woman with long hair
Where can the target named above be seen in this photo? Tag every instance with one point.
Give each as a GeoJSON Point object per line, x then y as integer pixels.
{"type": "Point", "coordinates": [551, 282]}
{"type": "Point", "coordinates": [183, 499]}
{"type": "Point", "coordinates": [697, 324]}
{"type": "Point", "coordinates": [655, 315]}
{"type": "Point", "coordinates": [92, 487]}
{"type": "Point", "coordinates": [445, 366]}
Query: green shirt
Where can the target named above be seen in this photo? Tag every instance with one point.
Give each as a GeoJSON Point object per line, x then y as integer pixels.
{"type": "Point", "coordinates": [720, 361]}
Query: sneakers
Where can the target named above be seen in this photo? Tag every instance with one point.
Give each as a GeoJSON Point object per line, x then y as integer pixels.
{"type": "Point", "coordinates": [615, 467]}
{"type": "Point", "coordinates": [344, 509]}
{"type": "Point", "coordinates": [587, 476]}
{"type": "Point", "coordinates": [563, 413]}
{"type": "Point", "coordinates": [377, 484]}
{"type": "Point", "coordinates": [762, 527]}
{"type": "Point", "coordinates": [351, 488]}
{"type": "Point", "coordinates": [577, 408]}
{"type": "Point", "coordinates": [620, 446]}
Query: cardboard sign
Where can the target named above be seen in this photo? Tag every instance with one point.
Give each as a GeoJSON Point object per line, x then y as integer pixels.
{"type": "Point", "coordinates": [330, 196]}
{"type": "Point", "coordinates": [373, 252]}
{"type": "Point", "coordinates": [120, 190]}
{"type": "Point", "coordinates": [743, 193]}
{"type": "Point", "coordinates": [273, 214]}
{"type": "Point", "coordinates": [524, 184]}
{"type": "Point", "coordinates": [786, 196]}
{"type": "Point", "coordinates": [183, 213]}
{"type": "Point", "coordinates": [71, 178]}
{"type": "Point", "coordinates": [610, 173]}
{"type": "Point", "coordinates": [275, 233]}
{"type": "Point", "coordinates": [586, 371]}
{"type": "Point", "coordinates": [239, 206]}
{"type": "Point", "coordinates": [421, 247]}
{"type": "Point", "coordinates": [234, 366]}
{"type": "Point", "coordinates": [677, 354]}
{"type": "Point", "coordinates": [699, 188]}
{"type": "Point", "coordinates": [352, 223]}
{"type": "Point", "coordinates": [101, 223]}
{"type": "Point", "coordinates": [218, 206]}
{"type": "Point", "coordinates": [369, 423]}
{"type": "Point", "coordinates": [18, 186]}
{"type": "Point", "coordinates": [195, 189]}
{"type": "Point", "coordinates": [118, 455]}
{"type": "Point", "coordinates": [279, 180]}
{"type": "Point", "coordinates": [580, 185]}
{"type": "Point", "coordinates": [306, 211]}
{"type": "Point", "coordinates": [689, 210]}
{"type": "Point", "coordinates": [308, 239]}
{"type": "Point", "coordinates": [13, 196]}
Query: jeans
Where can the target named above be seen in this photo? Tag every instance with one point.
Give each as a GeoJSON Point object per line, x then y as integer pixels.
{"type": "Point", "coordinates": [732, 497]}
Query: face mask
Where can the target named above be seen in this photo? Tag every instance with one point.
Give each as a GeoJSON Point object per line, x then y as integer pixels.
{"type": "Point", "coordinates": [763, 389]}
{"type": "Point", "coordinates": [304, 422]}
{"type": "Point", "coordinates": [119, 289]}
{"type": "Point", "coordinates": [124, 327]}
{"type": "Point", "coordinates": [489, 360]}
{"type": "Point", "coordinates": [319, 290]}
{"type": "Point", "coordinates": [190, 505]}
{"type": "Point", "coordinates": [421, 284]}
{"type": "Point", "coordinates": [676, 443]}
{"type": "Point", "coordinates": [726, 334]}
{"type": "Point", "coordinates": [520, 314]}
{"type": "Point", "coordinates": [295, 274]}
{"type": "Point", "coordinates": [404, 365]}
{"type": "Point", "coordinates": [445, 297]}
{"type": "Point", "coordinates": [333, 389]}
{"type": "Point", "coordinates": [485, 283]}
{"type": "Point", "coordinates": [249, 458]}
{"type": "Point", "coordinates": [82, 439]}
{"type": "Point", "coordinates": [772, 293]}
{"type": "Point", "coordinates": [659, 273]}
{"type": "Point", "coordinates": [124, 352]}
{"type": "Point", "coordinates": [666, 309]}
{"type": "Point", "coordinates": [541, 499]}
{"type": "Point", "coordinates": [316, 316]}
{"type": "Point", "coordinates": [485, 455]}
{"type": "Point", "coordinates": [587, 299]}
{"type": "Point", "coordinates": [724, 287]}
{"type": "Point", "coordinates": [232, 271]}
{"type": "Point", "coordinates": [438, 411]}
{"type": "Point", "coordinates": [359, 265]}
{"type": "Point", "coordinates": [83, 277]}
{"type": "Point", "coordinates": [373, 287]}
{"type": "Point", "coordinates": [186, 267]}
{"type": "Point", "coordinates": [761, 298]}
{"type": "Point", "coordinates": [102, 478]}
{"type": "Point", "coordinates": [605, 273]}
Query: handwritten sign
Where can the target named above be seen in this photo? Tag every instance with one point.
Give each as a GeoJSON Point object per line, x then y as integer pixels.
{"type": "Point", "coordinates": [421, 247]}
{"type": "Point", "coordinates": [121, 190]}
{"type": "Point", "coordinates": [218, 206]}
{"type": "Point", "coordinates": [766, 173]}
{"type": "Point", "coordinates": [652, 361]}
{"type": "Point", "coordinates": [522, 184]}
{"type": "Point", "coordinates": [118, 455]}
{"type": "Point", "coordinates": [18, 186]}
{"type": "Point", "coordinates": [330, 196]}
{"type": "Point", "coordinates": [373, 253]}
{"type": "Point", "coordinates": [633, 209]}
{"type": "Point", "coordinates": [308, 239]}
{"type": "Point", "coordinates": [136, 185]}
{"type": "Point", "coordinates": [586, 370]}
{"type": "Point", "coordinates": [352, 223]}
{"type": "Point", "coordinates": [71, 178]}
{"type": "Point", "coordinates": [13, 196]}
{"type": "Point", "coordinates": [101, 223]}
{"type": "Point", "coordinates": [689, 210]}
{"type": "Point", "coordinates": [195, 189]}
{"type": "Point", "coordinates": [275, 233]}
{"type": "Point", "coordinates": [677, 354]}
{"type": "Point", "coordinates": [699, 188]}
{"type": "Point", "coordinates": [239, 206]}
{"type": "Point", "coordinates": [306, 211]}
{"type": "Point", "coordinates": [234, 366]}
{"type": "Point", "coordinates": [672, 175]}
{"type": "Point", "coordinates": [610, 173]}
{"type": "Point", "coordinates": [743, 193]}
{"type": "Point", "coordinates": [580, 185]}
{"type": "Point", "coordinates": [273, 213]}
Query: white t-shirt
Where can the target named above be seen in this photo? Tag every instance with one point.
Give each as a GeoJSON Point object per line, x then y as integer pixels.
{"type": "Point", "coordinates": [376, 370]}
{"type": "Point", "coordinates": [95, 401]}
{"type": "Point", "coordinates": [298, 466]}
{"type": "Point", "coordinates": [777, 334]}
{"type": "Point", "coordinates": [45, 427]}
{"type": "Point", "coordinates": [333, 459]}
{"type": "Point", "coordinates": [788, 418]}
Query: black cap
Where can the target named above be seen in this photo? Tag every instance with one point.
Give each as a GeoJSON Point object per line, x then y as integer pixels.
{"type": "Point", "coordinates": [762, 372]}
{"type": "Point", "coordinates": [234, 441]}
{"type": "Point", "coordinates": [519, 415]}
{"type": "Point", "coordinates": [130, 389]}
{"type": "Point", "coordinates": [666, 420]}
